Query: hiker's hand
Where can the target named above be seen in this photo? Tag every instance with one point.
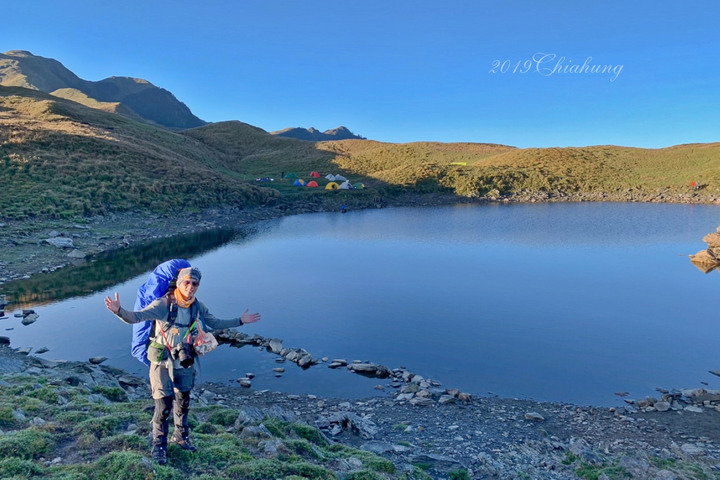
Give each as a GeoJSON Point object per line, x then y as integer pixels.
{"type": "Point", "coordinates": [114, 305]}
{"type": "Point", "coordinates": [249, 317]}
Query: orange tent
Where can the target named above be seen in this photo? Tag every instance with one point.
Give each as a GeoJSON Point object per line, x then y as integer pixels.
{"type": "Point", "coordinates": [312, 183]}
{"type": "Point", "coordinates": [314, 175]}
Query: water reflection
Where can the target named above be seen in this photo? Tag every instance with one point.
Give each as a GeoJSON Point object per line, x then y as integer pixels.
{"type": "Point", "coordinates": [110, 268]}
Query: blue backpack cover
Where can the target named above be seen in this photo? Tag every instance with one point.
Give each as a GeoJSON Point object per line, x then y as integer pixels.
{"type": "Point", "coordinates": [155, 286]}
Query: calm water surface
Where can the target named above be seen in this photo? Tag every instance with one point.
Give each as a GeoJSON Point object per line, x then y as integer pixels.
{"type": "Point", "coordinates": [565, 302]}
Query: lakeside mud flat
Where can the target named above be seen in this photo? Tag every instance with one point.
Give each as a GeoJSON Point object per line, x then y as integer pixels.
{"type": "Point", "coordinates": [488, 437]}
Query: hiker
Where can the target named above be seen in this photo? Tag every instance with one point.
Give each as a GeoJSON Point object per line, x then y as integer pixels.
{"type": "Point", "coordinates": [171, 355]}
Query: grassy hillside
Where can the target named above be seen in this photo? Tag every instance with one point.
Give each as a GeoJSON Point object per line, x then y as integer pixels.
{"type": "Point", "coordinates": [478, 170]}
{"type": "Point", "coordinates": [59, 158]}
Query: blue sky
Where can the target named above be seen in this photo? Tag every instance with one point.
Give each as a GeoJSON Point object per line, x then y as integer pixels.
{"type": "Point", "coordinates": [401, 71]}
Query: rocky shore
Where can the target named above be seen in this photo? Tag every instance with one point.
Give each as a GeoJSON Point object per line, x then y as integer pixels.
{"type": "Point", "coordinates": [480, 438]}
{"type": "Point", "coordinates": [450, 434]}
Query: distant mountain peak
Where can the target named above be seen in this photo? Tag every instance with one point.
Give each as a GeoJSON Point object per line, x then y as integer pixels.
{"type": "Point", "coordinates": [314, 135]}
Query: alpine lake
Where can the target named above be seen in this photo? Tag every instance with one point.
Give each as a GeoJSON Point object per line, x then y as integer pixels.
{"type": "Point", "coordinates": [567, 302]}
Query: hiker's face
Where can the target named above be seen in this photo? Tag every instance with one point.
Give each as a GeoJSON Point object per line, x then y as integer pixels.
{"type": "Point", "coordinates": [188, 287]}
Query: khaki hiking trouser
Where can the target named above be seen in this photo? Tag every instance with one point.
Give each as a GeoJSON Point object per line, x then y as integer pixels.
{"type": "Point", "coordinates": [165, 380]}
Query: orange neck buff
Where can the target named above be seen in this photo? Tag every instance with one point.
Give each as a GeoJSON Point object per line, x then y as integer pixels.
{"type": "Point", "coordinates": [183, 301]}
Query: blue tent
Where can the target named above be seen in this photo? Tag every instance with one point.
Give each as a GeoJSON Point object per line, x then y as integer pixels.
{"type": "Point", "coordinates": [299, 182]}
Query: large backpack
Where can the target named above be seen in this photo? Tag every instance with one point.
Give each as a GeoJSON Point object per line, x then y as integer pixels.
{"type": "Point", "coordinates": [157, 285]}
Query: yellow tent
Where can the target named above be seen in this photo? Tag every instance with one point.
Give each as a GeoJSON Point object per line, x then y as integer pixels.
{"type": "Point", "coordinates": [332, 186]}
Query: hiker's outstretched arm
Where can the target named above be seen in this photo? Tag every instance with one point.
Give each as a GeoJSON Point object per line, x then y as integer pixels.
{"type": "Point", "coordinates": [249, 317]}
{"type": "Point", "coordinates": [218, 323]}
{"type": "Point", "coordinates": [157, 310]}
{"type": "Point", "coordinates": [113, 304]}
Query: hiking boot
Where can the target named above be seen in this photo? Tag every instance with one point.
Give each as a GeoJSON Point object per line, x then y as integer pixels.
{"type": "Point", "coordinates": [183, 442]}
{"type": "Point", "coordinates": [159, 454]}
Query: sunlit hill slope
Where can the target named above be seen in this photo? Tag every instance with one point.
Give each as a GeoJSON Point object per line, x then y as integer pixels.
{"type": "Point", "coordinates": [59, 158]}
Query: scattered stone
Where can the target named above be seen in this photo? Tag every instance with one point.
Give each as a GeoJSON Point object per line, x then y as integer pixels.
{"type": "Point", "coordinates": [97, 360]}
{"type": "Point", "coordinates": [534, 416]}
{"type": "Point", "coordinates": [691, 449]}
{"type": "Point", "coordinates": [42, 350]}
{"type": "Point", "coordinates": [60, 242]}
{"type": "Point", "coordinates": [275, 345]}
{"type": "Point", "coordinates": [278, 370]}
{"type": "Point", "coordinates": [421, 401]}
{"type": "Point", "coordinates": [76, 254]}
{"type": "Point", "coordinates": [30, 318]}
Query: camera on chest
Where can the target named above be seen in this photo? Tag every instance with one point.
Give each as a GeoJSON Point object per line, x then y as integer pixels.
{"type": "Point", "coordinates": [184, 353]}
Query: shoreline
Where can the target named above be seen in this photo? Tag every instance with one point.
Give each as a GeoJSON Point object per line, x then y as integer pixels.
{"type": "Point", "coordinates": [487, 437]}
{"type": "Point", "coordinates": [25, 251]}
{"type": "Point", "coordinates": [490, 437]}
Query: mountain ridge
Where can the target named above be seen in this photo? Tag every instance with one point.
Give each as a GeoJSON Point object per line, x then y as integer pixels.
{"type": "Point", "coordinates": [152, 104]}
{"type": "Point", "coordinates": [314, 135]}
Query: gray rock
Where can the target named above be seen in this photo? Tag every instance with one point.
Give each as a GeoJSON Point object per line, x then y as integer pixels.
{"type": "Point", "coordinates": [60, 242]}
{"type": "Point", "coordinates": [438, 462]}
{"type": "Point", "coordinates": [98, 399]}
{"type": "Point", "coordinates": [30, 318]}
{"type": "Point", "coordinates": [534, 416]}
{"type": "Point", "coordinates": [259, 431]}
{"type": "Point", "coordinates": [694, 409]}
{"type": "Point", "coordinates": [275, 345]}
{"type": "Point", "coordinates": [272, 447]}
{"type": "Point", "coordinates": [305, 360]}
{"type": "Point", "coordinates": [662, 406]}
{"type": "Point", "coordinates": [97, 360]}
{"type": "Point", "coordinates": [248, 415]}
{"type": "Point", "coordinates": [691, 449]}
{"type": "Point", "coordinates": [76, 254]}
{"type": "Point", "coordinates": [445, 399]}
{"type": "Point", "coordinates": [42, 350]}
{"type": "Point", "coordinates": [378, 447]}
{"type": "Point", "coordinates": [131, 381]}
{"type": "Point", "coordinates": [421, 401]}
